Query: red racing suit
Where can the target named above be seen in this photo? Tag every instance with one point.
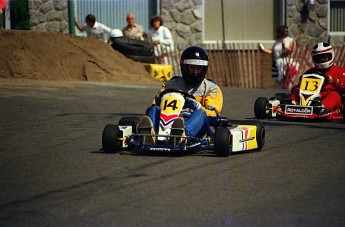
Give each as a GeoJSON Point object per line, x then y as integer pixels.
{"type": "Point", "coordinates": [331, 90]}
{"type": "Point", "coordinates": [3, 4]}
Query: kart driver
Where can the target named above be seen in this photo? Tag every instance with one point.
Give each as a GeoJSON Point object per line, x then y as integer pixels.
{"type": "Point", "coordinates": [323, 58]}
{"type": "Point", "coordinates": [208, 97]}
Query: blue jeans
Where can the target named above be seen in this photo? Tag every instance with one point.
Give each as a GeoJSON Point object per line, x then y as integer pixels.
{"type": "Point", "coordinates": [195, 125]}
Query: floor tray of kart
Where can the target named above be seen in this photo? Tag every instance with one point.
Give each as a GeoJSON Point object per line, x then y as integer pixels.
{"type": "Point", "coordinates": [223, 138]}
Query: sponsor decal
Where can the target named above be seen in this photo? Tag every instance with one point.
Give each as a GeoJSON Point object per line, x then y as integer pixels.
{"type": "Point", "coordinates": [306, 110]}
{"type": "Point", "coordinates": [159, 149]}
{"type": "Point", "coordinates": [247, 139]}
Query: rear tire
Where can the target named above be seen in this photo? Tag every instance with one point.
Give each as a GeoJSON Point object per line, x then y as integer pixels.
{"type": "Point", "coordinates": [284, 98]}
{"type": "Point", "coordinates": [130, 121]}
{"type": "Point", "coordinates": [110, 139]}
{"type": "Point", "coordinates": [222, 143]}
{"type": "Point", "coordinates": [261, 108]}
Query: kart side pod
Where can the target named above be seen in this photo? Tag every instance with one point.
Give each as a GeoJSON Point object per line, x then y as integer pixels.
{"type": "Point", "coordinates": [246, 137]}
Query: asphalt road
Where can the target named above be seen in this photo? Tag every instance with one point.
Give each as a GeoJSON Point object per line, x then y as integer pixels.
{"type": "Point", "coordinates": [53, 173]}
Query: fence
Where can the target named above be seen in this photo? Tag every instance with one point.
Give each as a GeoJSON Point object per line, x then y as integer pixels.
{"type": "Point", "coordinates": [242, 65]}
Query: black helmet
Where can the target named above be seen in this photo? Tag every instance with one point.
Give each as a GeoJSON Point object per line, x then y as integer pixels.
{"type": "Point", "coordinates": [194, 55]}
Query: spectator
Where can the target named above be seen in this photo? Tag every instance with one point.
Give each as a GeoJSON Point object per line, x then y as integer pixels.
{"type": "Point", "coordinates": [160, 36]}
{"type": "Point", "coordinates": [280, 51]}
{"type": "Point", "coordinates": [2, 13]}
{"type": "Point", "coordinates": [133, 30]}
{"type": "Point", "coordinates": [93, 28]}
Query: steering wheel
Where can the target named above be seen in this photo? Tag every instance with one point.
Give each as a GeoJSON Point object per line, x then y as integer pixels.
{"type": "Point", "coordinates": [170, 90]}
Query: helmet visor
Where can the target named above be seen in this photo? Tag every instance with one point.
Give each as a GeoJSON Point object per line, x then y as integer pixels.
{"type": "Point", "coordinates": [195, 62]}
{"type": "Point", "coordinates": [322, 58]}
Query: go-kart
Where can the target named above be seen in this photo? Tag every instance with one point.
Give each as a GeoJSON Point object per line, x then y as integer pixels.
{"type": "Point", "coordinates": [309, 106]}
{"type": "Point", "coordinates": [223, 138]}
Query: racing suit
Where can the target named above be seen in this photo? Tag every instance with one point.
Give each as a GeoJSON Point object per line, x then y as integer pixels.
{"type": "Point", "coordinates": [207, 93]}
{"type": "Point", "coordinates": [332, 89]}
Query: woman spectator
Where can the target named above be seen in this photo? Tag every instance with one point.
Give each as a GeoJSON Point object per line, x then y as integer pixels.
{"type": "Point", "coordinates": [160, 36]}
{"type": "Point", "coordinates": [280, 52]}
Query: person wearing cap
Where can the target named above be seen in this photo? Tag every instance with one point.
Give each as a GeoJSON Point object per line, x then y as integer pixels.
{"type": "Point", "coordinates": [133, 30]}
{"type": "Point", "coordinates": [334, 85]}
{"type": "Point", "coordinates": [93, 28]}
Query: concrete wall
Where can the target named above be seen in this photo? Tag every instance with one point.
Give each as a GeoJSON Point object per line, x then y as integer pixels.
{"type": "Point", "coordinates": [49, 15]}
{"type": "Point", "coordinates": [309, 24]}
{"type": "Point", "coordinates": [184, 18]}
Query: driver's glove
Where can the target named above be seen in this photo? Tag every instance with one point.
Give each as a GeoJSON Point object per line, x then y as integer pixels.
{"type": "Point", "coordinates": [192, 104]}
{"type": "Point", "coordinates": [330, 80]}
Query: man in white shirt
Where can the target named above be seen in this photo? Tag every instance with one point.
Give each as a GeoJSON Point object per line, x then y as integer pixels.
{"type": "Point", "coordinates": [93, 28]}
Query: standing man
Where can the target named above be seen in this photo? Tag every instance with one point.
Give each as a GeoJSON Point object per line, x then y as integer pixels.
{"type": "Point", "coordinates": [2, 13]}
{"type": "Point", "coordinates": [133, 30]}
{"type": "Point", "coordinates": [93, 28]}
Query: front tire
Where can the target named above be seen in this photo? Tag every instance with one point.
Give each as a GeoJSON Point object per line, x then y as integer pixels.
{"type": "Point", "coordinates": [222, 143]}
{"type": "Point", "coordinates": [261, 108]}
{"type": "Point", "coordinates": [110, 139]}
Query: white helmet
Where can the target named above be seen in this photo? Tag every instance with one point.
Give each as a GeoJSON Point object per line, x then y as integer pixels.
{"type": "Point", "coordinates": [323, 55]}
{"type": "Point", "coordinates": [116, 33]}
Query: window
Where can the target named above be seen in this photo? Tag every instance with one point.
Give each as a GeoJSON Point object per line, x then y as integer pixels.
{"type": "Point", "coordinates": [336, 16]}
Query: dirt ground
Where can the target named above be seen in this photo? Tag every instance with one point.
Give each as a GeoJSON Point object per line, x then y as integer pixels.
{"type": "Point", "coordinates": [53, 56]}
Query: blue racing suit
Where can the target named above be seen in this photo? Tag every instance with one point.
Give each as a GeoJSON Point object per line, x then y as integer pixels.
{"type": "Point", "coordinates": [207, 93]}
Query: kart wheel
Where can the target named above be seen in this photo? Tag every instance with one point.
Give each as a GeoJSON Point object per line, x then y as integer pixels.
{"type": "Point", "coordinates": [260, 132]}
{"type": "Point", "coordinates": [222, 142]}
{"type": "Point", "coordinates": [261, 108]}
{"type": "Point", "coordinates": [284, 98]}
{"type": "Point", "coordinates": [130, 121]}
{"type": "Point", "coordinates": [110, 139]}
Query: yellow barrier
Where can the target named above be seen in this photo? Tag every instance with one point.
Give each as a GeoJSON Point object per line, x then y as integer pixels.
{"type": "Point", "coordinates": [160, 72]}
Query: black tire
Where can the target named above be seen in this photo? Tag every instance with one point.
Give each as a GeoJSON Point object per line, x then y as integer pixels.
{"type": "Point", "coordinates": [130, 121]}
{"type": "Point", "coordinates": [142, 59]}
{"type": "Point", "coordinates": [260, 132]}
{"type": "Point", "coordinates": [222, 142]}
{"type": "Point", "coordinates": [282, 96]}
{"type": "Point", "coordinates": [261, 108]}
{"type": "Point", "coordinates": [132, 47]}
{"type": "Point", "coordinates": [110, 139]}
